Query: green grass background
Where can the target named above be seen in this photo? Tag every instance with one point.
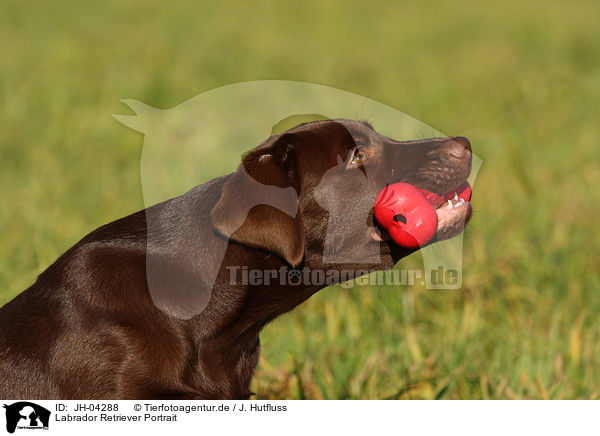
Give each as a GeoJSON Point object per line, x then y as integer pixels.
{"type": "Point", "coordinates": [520, 79]}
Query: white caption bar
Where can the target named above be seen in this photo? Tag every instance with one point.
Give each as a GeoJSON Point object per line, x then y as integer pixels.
{"type": "Point", "coordinates": [298, 417]}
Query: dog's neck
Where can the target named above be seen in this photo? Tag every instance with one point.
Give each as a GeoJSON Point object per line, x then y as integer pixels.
{"type": "Point", "coordinates": [227, 360]}
{"type": "Point", "coordinates": [227, 332]}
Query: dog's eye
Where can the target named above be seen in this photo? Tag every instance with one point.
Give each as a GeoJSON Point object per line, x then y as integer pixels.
{"type": "Point", "coordinates": [359, 156]}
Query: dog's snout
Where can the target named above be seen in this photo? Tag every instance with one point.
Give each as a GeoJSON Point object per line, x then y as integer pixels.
{"type": "Point", "coordinates": [459, 147]}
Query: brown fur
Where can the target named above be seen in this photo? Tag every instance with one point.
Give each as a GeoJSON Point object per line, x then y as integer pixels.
{"type": "Point", "coordinates": [91, 326]}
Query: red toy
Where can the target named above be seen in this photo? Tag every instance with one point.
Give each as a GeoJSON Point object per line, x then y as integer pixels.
{"type": "Point", "coordinates": [409, 214]}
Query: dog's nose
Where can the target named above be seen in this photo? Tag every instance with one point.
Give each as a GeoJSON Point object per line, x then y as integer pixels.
{"type": "Point", "coordinates": [459, 147]}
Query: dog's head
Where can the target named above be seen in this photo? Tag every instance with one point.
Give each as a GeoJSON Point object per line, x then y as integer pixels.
{"type": "Point", "coordinates": [307, 194]}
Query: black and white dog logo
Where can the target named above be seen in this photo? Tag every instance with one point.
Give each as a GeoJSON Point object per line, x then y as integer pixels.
{"type": "Point", "coordinates": [26, 415]}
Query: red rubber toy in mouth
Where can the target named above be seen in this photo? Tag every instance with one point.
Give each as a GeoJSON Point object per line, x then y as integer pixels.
{"type": "Point", "coordinates": [409, 214]}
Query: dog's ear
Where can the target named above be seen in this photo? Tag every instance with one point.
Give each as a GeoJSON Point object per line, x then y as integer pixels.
{"type": "Point", "coordinates": [259, 203]}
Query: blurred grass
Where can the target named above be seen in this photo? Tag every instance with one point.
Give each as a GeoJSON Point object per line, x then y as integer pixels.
{"type": "Point", "coordinates": [521, 80]}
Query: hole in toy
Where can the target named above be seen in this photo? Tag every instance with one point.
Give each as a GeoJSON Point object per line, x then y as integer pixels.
{"type": "Point", "coordinates": [400, 218]}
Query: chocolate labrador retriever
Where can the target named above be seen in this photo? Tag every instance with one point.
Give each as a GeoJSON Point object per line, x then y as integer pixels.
{"type": "Point", "coordinates": [143, 308]}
